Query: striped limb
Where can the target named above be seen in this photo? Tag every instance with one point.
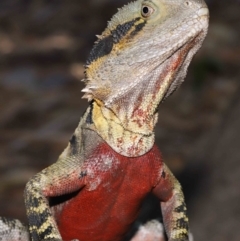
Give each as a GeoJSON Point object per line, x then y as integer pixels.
{"type": "Point", "coordinates": [173, 206]}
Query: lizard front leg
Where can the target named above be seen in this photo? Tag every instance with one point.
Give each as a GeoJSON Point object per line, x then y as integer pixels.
{"type": "Point", "coordinates": [173, 206]}
{"type": "Point", "coordinates": [56, 180]}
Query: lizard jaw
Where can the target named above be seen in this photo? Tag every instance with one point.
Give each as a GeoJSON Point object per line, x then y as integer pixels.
{"type": "Point", "coordinates": [134, 136]}
{"type": "Point", "coordinates": [179, 60]}
{"type": "Point", "coordinates": [163, 81]}
{"type": "Point", "coordinates": [190, 48]}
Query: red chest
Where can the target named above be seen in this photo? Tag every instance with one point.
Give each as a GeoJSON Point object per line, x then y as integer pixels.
{"type": "Point", "coordinates": [109, 202]}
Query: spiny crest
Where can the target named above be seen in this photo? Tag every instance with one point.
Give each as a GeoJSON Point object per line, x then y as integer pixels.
{"type": "Point", "coordinates": [97, 91]}
{"type": "Point", "coordinates": [95, 88]}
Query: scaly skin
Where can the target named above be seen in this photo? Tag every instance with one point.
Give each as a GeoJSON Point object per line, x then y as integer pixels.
{"type": "Point", "coordinates": [112, 201]}
{"type": "Point", "coordinates": [94, 191]}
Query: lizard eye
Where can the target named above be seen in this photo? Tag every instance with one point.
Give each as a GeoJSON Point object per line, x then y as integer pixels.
{"type": "Point", "coordinates": [147, 11]}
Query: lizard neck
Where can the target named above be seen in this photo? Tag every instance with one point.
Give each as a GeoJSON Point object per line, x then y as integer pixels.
{"type": "Point", "coordinates": [123, 137]}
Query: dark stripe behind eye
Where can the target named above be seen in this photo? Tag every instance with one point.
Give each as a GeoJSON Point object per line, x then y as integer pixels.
{"type": "Point", "coordinates": [101, 48]}
{"type": "Point", "coordinates": [104, 46]}
{"type": "Point", "coordinates": [138, 28]}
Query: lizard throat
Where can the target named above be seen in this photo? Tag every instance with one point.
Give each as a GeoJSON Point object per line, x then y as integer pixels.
{"type": "Point", "coordinates": [128, 123]}
{"type": "Point", "coordinates": [121, 140]}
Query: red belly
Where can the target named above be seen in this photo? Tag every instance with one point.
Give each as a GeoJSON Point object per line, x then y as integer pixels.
{"type": "Point", "coordinates": [109, 202]}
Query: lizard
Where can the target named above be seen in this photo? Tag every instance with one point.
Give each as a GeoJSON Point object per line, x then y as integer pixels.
{"type": "Point", "coordinates": [96, 187]}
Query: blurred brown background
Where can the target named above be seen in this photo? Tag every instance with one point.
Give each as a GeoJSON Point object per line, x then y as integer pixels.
{"type": "Point", "coordinates": [43, 46]}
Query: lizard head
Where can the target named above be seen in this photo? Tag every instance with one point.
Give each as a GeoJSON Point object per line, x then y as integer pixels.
{"type": "Point", "coordinates": [142, 57]}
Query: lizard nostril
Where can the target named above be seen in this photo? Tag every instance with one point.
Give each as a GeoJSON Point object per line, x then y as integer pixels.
{"type": "Point", "coordinates": [188, 3]}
